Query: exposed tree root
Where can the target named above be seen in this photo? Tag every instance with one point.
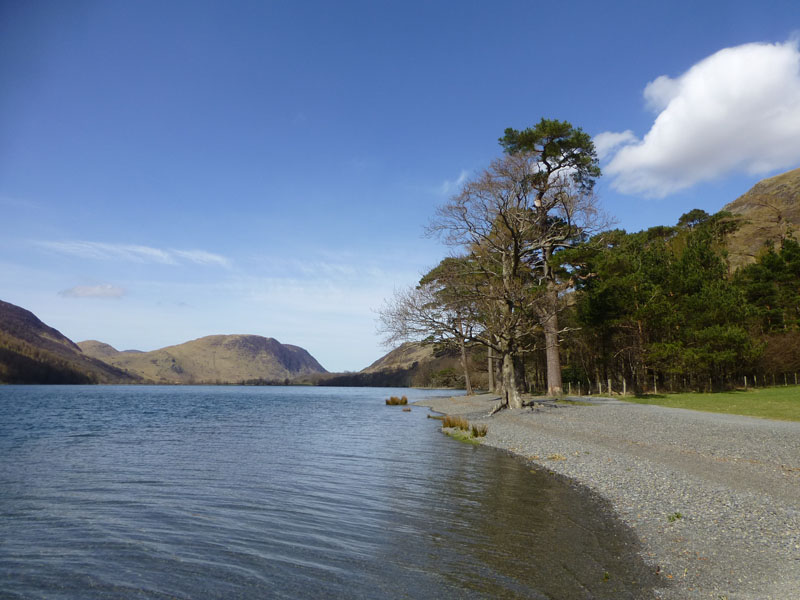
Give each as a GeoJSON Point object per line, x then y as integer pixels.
{"type": "Point", "coordinates": [498, 407]}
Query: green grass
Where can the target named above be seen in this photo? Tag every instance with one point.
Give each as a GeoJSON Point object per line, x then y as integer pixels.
{"type": "Point", "coordinates": [781, 403]}
{"type": "Point", "coordinates": [463, 430]}
{"type": "Point", "coordinates": [674, 517]}
{"type": "Point", "coordinates": [463, 436]}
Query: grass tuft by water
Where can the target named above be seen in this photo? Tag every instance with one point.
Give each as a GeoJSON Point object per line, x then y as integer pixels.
{"type": "Point", "coordinates": [395, 401]}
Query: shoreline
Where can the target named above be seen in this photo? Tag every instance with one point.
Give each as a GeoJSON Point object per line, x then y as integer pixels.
{"type": "Point", "coordinates": [714, 499]}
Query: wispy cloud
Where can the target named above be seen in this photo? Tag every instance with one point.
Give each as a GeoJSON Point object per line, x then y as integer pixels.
{"type": "Point", "coordinates": [134, 253]}
{"type": "Point", "coordinates": [201, 257]}
{"type": "Point", "coordinates": [104, 290]}
{"type": "Point", "coordinates": [448, 186]}
{"type": "Point", "coordinates": [738, 109]}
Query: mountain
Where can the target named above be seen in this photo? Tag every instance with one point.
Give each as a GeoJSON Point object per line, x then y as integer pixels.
{"type": "Point", "coordinates": [33, 352]}
{"type": "Point", "coordinates": [98, 350]}
{"type": "Point", "coordinates": [212, 359]}
{"type": "Point", "coordinates": [410, 365]}
{"type": "Point", "coordinates": [768, 211]}
{"type": "Point", "coordinates": [405, 356]}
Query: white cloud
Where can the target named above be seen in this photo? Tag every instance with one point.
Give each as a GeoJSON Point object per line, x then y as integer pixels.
{"type": "Point", "coordinates": [448, 187]}
{"type": "Point", "coordinates": [135, 253]}
{"type": "Point", "coordinates": [104, 290]}
{"type": "Point", "coordinates": [605, 143]}
{"type": "Point", "coordinates": [737, 110]}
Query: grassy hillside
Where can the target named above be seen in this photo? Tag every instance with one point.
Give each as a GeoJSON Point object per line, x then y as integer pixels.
{"type": "Point", "coordinates": [770, 210]}
{"type": "Point", "coordinates": [410, 365]}
{"type": "Point", "coordinates": [402, 357]}
{"type": "Point", "coordinates": [213, 359]}
{"type": "Point", "coordinates": [32, 352]}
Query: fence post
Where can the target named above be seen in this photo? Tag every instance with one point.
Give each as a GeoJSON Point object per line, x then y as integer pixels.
{"type": "Point", "coordinates": [745, 382]}
{"type": "Point", "coordinates": [609, 386]}
{"type": "Point", "coordinates": [624, 387]}
{"type": "Point", "coordinates": [655, 383]}
{"type": "Point", "coordinates": [569, 387]}
{"type": "Point", "coordinates": [599, 387]}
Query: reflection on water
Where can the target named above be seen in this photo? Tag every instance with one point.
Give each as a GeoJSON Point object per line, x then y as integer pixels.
{"type": "Point", "coordinates": [151, 492]}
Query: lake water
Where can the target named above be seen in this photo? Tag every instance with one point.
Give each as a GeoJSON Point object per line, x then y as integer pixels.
{"type": "Point", "coordinates": [282, 492]}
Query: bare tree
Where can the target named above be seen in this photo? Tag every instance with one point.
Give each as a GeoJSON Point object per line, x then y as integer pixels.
{"type": "Point", "coordinates": [512, 225]}
{"type": "Point", "coordinates": [429, 312]}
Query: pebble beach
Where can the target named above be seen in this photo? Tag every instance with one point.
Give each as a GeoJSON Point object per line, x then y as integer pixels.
{"type": "Point", "coordinates": [714, 499]}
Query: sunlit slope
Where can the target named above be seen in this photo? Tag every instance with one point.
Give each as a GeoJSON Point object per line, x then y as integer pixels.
{"type": "Point", "coordinates": [213, 359]}
{"type": "Point", "coordinates": [768, 211]}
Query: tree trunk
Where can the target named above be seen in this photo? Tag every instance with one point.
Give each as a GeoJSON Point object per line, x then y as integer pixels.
{"type": "Point", "coordinates": [467, 383]}
{"type": "Point", "coordinates": [511, 391]}
{"type": "Point", "coordinates": [550, 326]}
{"type": "Point", "coordinates": [491, 368]}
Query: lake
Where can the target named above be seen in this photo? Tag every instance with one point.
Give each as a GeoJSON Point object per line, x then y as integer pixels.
{"type": "Point", "coordinates": [283, 492]}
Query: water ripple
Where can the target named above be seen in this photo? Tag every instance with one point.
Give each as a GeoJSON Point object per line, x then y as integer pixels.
{"type": "Point", "coordinates": [150, 492]}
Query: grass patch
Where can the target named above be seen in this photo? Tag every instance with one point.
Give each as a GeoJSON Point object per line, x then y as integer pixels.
{"type": "Point", "coordinates": [455, 422]}
{"type": "Point", "coordinates": [461, 429]}
{"type": "Point", "coordinates": [781, 403]}
{"type": "Point", "coordinates": [395, 401]}
{"type": "Point", "coordinates": [674, 517]}
{"type": "Point", "coordinates": [462, 436]}
{"type": "Point", "coordinates": [479, 430]}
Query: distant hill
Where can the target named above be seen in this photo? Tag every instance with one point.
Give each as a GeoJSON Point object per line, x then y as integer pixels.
{"type": "Point", "coordinates": [769, 211]}
{"type": "Point", "coordinates": [406, 356]}
{"type": "Point", "coordinates": [32, 352]}
{"type": "Point", "coordinates": [410, 365]}
{"type": "Point", "coordinates": [212, 359]}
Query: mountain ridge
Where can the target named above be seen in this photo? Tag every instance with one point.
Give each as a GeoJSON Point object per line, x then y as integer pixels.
{"type": "Point", "coordinates": [221, 358]}
{"type": "Point", "coordinates": [767, 212]}
{"type": "Point", "coordinates": [33, 352]}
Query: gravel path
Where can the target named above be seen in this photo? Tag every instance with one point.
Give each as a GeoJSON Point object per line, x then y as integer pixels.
{"type": "Point", "coordinates": [734, 481]}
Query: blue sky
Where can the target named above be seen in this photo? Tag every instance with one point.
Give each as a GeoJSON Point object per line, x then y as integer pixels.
{"type": "Point", "coordinates": [170, 170]}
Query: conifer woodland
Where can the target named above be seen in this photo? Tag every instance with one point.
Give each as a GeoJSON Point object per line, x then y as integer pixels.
{"type": "Point", "coordinates": [555, 301]}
